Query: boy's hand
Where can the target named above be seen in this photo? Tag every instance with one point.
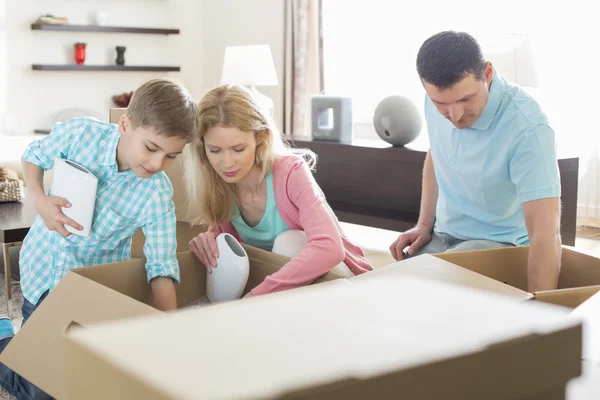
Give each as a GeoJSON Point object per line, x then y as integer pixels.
{"type": "Point", "coordinates": [164, 294]}
{"type": "Point", "coordinates": [49, 208]}
{"type": "Point", "coordinates": [204, 246]}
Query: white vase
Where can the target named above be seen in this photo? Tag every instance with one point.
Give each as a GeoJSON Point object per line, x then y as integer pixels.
{"type": "Point", "coordinates": [75, 183]}
{"type": "Point", "coordinates": [228, 280]}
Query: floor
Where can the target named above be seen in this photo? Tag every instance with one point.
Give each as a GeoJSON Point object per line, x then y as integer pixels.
{"type": "Point", "coordinates": [375, 246]}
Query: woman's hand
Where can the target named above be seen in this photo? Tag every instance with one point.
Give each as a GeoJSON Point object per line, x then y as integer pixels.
{"type": "Point", "coordinates": [204, 246]}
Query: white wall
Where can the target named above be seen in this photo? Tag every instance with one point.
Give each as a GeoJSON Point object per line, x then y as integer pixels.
{"type": "Point", "coordinates": [31, 98]}
{"type": "Point", "coordinates": [243, 22]}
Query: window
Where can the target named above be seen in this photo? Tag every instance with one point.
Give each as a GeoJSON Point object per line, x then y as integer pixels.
{"type": "Point", "coordinates": [370, 50]}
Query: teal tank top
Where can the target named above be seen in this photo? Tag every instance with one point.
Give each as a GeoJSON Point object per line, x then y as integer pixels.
{"type": "Point", "coordinates": [268, 228]}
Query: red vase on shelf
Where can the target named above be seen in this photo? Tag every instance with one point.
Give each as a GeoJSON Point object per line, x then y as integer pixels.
{"type": "Point", "coordinates": [79, 53]}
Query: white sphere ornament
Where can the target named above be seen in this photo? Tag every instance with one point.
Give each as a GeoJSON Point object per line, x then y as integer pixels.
{"type": "Point", "coordinates": [228, 280]}
{"type": "Point", "coordinates": [397, 120]}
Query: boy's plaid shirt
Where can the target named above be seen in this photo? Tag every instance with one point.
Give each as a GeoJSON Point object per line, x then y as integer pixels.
{"type": "Point", "coordinates": [124, 203]}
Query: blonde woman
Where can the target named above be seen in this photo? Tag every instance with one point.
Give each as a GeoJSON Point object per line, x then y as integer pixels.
{"type": "Point", "coordinates": [250, 184]}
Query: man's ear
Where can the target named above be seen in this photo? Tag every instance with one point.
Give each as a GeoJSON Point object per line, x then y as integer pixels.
{"type": "Point", "coordinates": [489, 73]}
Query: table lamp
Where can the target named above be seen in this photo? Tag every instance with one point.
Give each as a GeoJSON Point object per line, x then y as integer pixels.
{"type": "Point", "coordinates": [251, 66]}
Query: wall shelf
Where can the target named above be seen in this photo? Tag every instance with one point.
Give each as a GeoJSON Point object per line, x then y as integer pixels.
{"type": "Point", "coordinates": [99, 28]}
{"type": "Point", "coordinates": [75, 67]}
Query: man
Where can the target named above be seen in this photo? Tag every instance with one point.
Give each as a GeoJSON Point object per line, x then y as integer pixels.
{"type": "Point", "coordinates": [491, 175]}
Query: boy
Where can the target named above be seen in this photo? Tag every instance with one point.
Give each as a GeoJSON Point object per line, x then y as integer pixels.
{"type": "Point", "coordinates": [133, 192]}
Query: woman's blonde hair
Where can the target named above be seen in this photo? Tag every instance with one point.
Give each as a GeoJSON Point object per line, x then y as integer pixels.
{"type": "Point", "coordinates": [230, 106]}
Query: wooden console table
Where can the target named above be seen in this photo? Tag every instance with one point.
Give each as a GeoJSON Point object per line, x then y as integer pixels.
{"type": "Point", "coordinates": [15, 220]}
{"type": "Point", "coordinates": [369, 182]}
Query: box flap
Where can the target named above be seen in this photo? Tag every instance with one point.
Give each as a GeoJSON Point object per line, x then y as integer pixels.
{"type": "Point", "coordinates": [435, 268]}
{"type": "Point", "coordinates": [102, 293]}
{"type": "Point", "coordinates": [567, 297]}
{"type": "Point", "coordinates": [578, 269]}
{"type": "Point", "coordinates": [331, 336]}
{"type": "Point", "coordinates": [507, 265]}
{"type": "Point", "coordinates": [37, 351]}
{"type": "Point", "coordinates": [589, 311]}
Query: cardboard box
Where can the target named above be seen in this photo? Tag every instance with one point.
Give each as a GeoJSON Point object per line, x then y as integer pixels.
{"type": "Point", "coordinates": [501, 270]}
{"type": "Point", "coordinates": [585, 304]}
{"type": "Point", "coordinates": [509, 265]}
{"type": "Point", "coordinates": [589, 312]}
{"type": "Point", "coordinates": [175, 173]}
{"type": "Point", "coordinates": [434, 268]}
{"type": "Point", "coordinates": [105, 293]}
{"type": "Point", "coordinates": [505, 271]}
{"type": "Point", "coordinates": [410, 339]}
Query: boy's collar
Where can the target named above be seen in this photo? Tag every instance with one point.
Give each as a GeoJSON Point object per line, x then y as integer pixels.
{"type": "Point", "coordinates": [110, 157]}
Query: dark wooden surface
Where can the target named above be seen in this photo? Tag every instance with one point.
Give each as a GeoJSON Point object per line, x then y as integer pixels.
{"type": "Point", "coordinates": [75, 67]}
{"type": "Point", "coordinates": [15, 220]}
{"type": "Point", "coordinates": [98, 28]}
{"type": "Point", "coordinates": [372, 183]}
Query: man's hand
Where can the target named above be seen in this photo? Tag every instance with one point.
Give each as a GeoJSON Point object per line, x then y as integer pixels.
{"type": "Point", "coordinates": [50, 209]}
{"type": "Point", "coordinates": [416, 238]}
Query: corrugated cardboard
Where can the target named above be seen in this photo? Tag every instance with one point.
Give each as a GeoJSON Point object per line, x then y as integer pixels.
{"type": "Point", "coordinates": [589, 311]}
{"type": "Point", "coordinates": [585, 303]}
{"type": "Point", "coordinates": [570, 298]}
{"type": "Point", "coordinates": [175, 174]}
{"type": "Point", "coordinates": [103, 293]}
{"type": "Point", "coordinates": [431, 267]}
{"type": "Point", "coordinates": [409, 339]}
{"type": "Point", "coordinates": [502, 271]}
{"type": "Point", "coordinates": [509, 265]}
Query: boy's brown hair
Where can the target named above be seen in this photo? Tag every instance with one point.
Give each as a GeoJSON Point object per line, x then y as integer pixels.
{"type": "Point", "coordinates": [165, 106]}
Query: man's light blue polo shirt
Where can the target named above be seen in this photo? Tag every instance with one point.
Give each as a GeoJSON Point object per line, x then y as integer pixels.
{"type": "Point", "coordinates": [485, 172]}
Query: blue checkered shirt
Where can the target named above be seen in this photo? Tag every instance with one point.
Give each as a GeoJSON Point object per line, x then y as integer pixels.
{"type": "Point", "coordinates": [124, 203]}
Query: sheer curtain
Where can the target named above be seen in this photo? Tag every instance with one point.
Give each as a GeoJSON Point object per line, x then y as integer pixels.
{"type": "Point", "coordinates": [303, 63]}
{"type": "Point", "coordinates": [370, 51]}
{"type": "Point", "coordinates": [3, 68]}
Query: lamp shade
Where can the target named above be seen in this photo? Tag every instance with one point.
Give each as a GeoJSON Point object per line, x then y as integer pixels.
{"type": "Point", "coordinates": [249, 66]}
{"type": "Point", "coordinates": [513, 56]}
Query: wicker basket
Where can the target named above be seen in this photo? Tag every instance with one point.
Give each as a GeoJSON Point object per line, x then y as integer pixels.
{"type": "Point", "coordinates": [11, 188]}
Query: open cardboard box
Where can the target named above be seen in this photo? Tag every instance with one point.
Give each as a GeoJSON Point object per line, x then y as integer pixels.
{"type": "Point", "coordinates": [410, 339]}
{"type": "Point", "coordinates": [105, 293]}
{"type": "Point", "coordinates": [503, 271]}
